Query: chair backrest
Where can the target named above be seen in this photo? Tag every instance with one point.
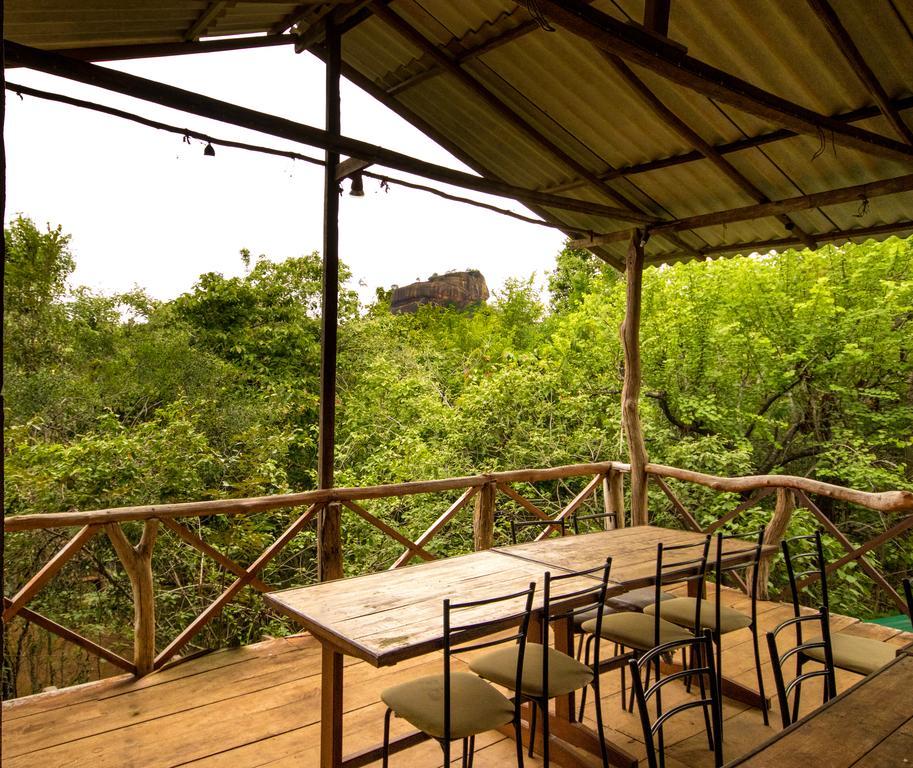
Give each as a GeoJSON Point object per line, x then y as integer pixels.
{"type": "Point", "coordinates": [805, 562]}
{"type": "Point", "coordinates": [820, 622]}
{"type": "Point", "coordinates": [600, 516]}
{"type": "Point", "coordinates": [517, 525]}
{"type": "Point", "coordinates": [563, 606]}
{"type": "Point", "coordinates": [722, 567]}
{"type": "Point", "coordinates": [709, 700]}
{"type": "Point", "coordinates": [676, 564]}
{"type": "Point", "coordinates": [498, 614]}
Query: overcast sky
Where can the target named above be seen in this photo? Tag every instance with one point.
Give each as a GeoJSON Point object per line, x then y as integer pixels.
{"type": "Point", "coordinates": [144, 208]}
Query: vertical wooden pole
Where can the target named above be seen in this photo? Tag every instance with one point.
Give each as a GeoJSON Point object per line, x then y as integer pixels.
{"type": "Point", "coordinates": [330, 708]}
{"type": "Point", "coordinates": [630, 393]}
{"type": "Point", "coordinates": [137, 562]}
{"type": "Point", "coordinates": [776, 529]}
{"type": "Point", "coordinates": [329, 544]}
{"type": "Point", "coordinates": [613, 494]}
{"type": "Point", "coordinates": [483, 518]}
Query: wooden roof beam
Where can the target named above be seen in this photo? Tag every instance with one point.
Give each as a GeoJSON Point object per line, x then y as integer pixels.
{"type": "Point", "coordinates": [762, 246]}
{"type": "Point", "coordinates": [213, 11]}
{"type": "Point", "coordinates": [685, 131]}
{"type": "Point", "coordinates": [347, 18]}
{"type": "Point", "coordinates": [667, 60]}
{"type": "Point", "coordinates": [831, 21]}
{"type": "Point", "coordinates": [656, 16]}
{"type": "Point", "coordinates": [860, 192]}
{"type": "Point", "coordinates": [233, 114]}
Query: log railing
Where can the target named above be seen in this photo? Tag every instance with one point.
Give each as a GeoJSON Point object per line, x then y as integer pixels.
{"type": "Point", "coordinates": [484, 490]}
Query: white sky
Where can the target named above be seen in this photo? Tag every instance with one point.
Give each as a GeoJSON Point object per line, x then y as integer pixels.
{"type": "Point", "coordinates": [146, 209]}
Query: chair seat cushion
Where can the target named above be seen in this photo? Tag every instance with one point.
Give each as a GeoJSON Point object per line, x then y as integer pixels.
{"type": "Point", "coordinates": [635, 630]}
{"type": "Point", "coordinates": [636, 599]}
{"type": "Point", "coordinates": [565, 674]}
{"type": "Point", "coordinates": [680, 610]}
{"type": "Point", "coordinates": [583, 617]}
{"type": "Point", "coordinates": [862, 655]}
{"type": "Point", "coordinates": [475, 706]}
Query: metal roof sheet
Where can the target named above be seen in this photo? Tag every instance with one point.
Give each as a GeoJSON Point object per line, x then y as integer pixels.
{"type": "Point", "coordinates": [568, 114]}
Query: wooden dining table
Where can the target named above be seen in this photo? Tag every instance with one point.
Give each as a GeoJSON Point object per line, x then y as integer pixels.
{"type": "Point", "coordinates": [388, 617]}
{"type": "Point", "coordinates": [867, 726]}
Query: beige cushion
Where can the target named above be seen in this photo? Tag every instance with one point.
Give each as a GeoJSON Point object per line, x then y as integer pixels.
{"type": "Point", "coordinates": [565, 674]}
{"type": "Point", "coordinates": [475, 706]}
{"type": "Point", "coordinates": [680, 610]}
{"type": "Point", "coordinates": [635, 630]}
{"type": "Point", "coordinates": [856, 654]}
{"type": "Point", "coordinates": [636, 599]}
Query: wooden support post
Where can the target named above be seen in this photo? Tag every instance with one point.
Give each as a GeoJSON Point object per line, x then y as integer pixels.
{"type": "Point", "coordinates": [483, 518]}
{"type": "Point", "coordinates": [616, 481]}
{"type": "Point", "coordinates": [329, 542]}
{"type": "Point", "coordinates": [630, 393]}
{"type": "Point", "coordinates": [331, 670]}
{"type": "Point", "coordinates": [137, 562]}
{"type": "Point", "coordinates": [329, 539]}
{"type": "Point", "coordinates": [776, 529]}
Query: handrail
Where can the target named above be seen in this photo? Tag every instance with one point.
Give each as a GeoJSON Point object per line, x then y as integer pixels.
{"type": "Point", "coordinates": [884, 501]}
{"type": "Point", "coordinates": [791, 492]}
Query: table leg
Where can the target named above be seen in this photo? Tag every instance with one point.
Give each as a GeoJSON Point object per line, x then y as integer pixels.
{"type": "Point", "coordinates": [330, 708]}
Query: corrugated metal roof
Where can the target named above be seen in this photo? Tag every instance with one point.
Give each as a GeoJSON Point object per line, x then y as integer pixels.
{"type": "Point", "coordinates": [567, 99]}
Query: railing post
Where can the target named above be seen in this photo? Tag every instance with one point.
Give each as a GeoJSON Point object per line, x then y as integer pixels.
{"type": "Point", "coordinates": [329, 544]}
{"type": "Point", "coordinates": [613, 497]}
{"type": "Point", "coordinates": [137, 562]}
{"type": "Point", "coordinates": [783, 511]}
{"type": "Point", "coordinates": [483, 518]}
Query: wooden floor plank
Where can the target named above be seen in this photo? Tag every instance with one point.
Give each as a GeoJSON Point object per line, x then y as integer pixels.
{"type": "Point", "coordinates": [258, 707]}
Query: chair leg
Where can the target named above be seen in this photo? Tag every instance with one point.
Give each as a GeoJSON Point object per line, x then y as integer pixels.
{"type": "Point", "coordinates": [757, 664]}
{"type": "Point", "coordinates": [386, 750]}
{"type": "Point", "coordinates": [472, 750]}
{"type": "Point", "coordinates": [586, 660]}
{"type": "Point", "coordinates": [597, 703]}
{"type": "Point", "coordinates": [545, 732]}
{"type": "Point", "coordinates": [580, 646]}
{"type": "Point", "coordinates": [533, 711]}
{"type": "Point", "coordinates": [799, 663]}
{"type": "Point", "coordinates": [445, 746]}
{"type": "Point", "coordinates": [464, 762]}
{"type": "Point", "coordinates": [703, 689]}
{"type": "Point", "coordinates": [518, 738]}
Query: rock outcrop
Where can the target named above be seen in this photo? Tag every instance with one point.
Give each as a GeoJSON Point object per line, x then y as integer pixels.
{"type": "Point", "coordinates": [455, 289]}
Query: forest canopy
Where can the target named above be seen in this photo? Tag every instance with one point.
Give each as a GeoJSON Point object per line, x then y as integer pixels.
{"type": "Point", "coordinates": [797, 362]}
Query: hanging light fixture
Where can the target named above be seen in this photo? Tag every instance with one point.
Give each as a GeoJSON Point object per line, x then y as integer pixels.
{"type": "Point", "coordinates": [358, 186]}
{"type": "Point", "coordinates": [209, 151]}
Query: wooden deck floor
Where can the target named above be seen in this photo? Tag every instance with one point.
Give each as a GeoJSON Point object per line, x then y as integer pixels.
{"type": "Point", "coordinates": [259, 706]}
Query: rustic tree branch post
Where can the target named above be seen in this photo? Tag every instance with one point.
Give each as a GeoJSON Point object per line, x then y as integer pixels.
{"type": "Point", "coordinates": [137, 562]}
{"type": "Point", "coordinates": [613, 497]}
{"type": "Point", "coordinates": [329, 539]}
{"type": "Point", "coordinates": [786, 503]}
{"type": "Point", "coordinates": [630, 393]}
{"type": "Point", "coordinates": [483, 518]}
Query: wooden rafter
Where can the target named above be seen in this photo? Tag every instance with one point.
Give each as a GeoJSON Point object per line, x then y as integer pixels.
{"type": "Point", "coordinates": [656, 16]}
{"type": "Point", "coordinates": [831, 21]}
{"type": "Point", "coordinates": [204, 106]}
{"type": "Point", "coordinates": [685, 131]}
{"type": "Point", "coordinates": [667, 60]}
{"type": "Point", "coordinates": [347, 17]}
{"type": "Point", "coordinates": [861, 192]}
{"type": "Point", "coordinates": [212, 12]}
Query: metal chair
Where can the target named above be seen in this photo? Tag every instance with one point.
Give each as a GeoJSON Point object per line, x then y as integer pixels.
{"type": "Point", "coordinates": [576, 519]}
{"type": "Point", "coordinates": [800, 649]}
{"type": "Point", "coordinates": [720, 619]}
{"type": "Point", "coordinates": [677, 563]}
{"type": "Point", "coordinates": [862, 655]}
{"type": "Point", "coordinates": [455, 706]}
{"type": "Point", "coordinates": [550, 673]}
{"type": "Point", "coordinates": [700, 647]}
{"type": "Point", "coordinates": [516, 525]}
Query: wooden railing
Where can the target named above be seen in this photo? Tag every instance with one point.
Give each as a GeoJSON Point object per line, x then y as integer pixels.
{"type": "Point", "coordinates": [484, 490]}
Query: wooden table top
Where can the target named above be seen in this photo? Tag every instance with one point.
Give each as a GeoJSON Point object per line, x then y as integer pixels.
{"type": "Point", "coordinates": [633, 551]}
{"type": "Point", "coordinates": [386, 617]}
{"type": "Point", "coordinates": [867, 726]}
